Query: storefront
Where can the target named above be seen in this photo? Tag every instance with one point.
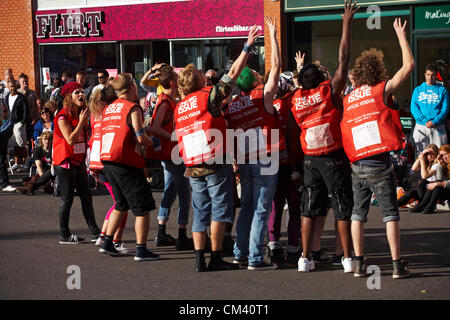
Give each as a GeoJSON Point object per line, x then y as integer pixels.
{"type": "Point", "coordinates": [131, 38]}
{"type": "Point", "coordinates": [315, 27]}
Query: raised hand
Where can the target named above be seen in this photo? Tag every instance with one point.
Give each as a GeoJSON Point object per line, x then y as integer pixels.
{"type": "Point", "coordinates": [271, 24]}
{"type": "Point", "coordinates": [400, 29]}
{"type": "Point", "coordinates": [84, 116]}
{"type": "Point", "coordinates": [349, 11]}
{"type": "Point", "coordinates": [252, 35]}
{"type": "Point", "coordinates": [300, 58]}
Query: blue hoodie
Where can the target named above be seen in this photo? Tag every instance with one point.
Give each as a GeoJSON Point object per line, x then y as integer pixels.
{"type": "Point", "coordinates": [430, 103]}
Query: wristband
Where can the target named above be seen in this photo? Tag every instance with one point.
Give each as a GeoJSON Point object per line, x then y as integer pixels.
{"type": "Point", "coordinates": [140, 132]}
{"type": "Point", "coordinates": [247, 48]}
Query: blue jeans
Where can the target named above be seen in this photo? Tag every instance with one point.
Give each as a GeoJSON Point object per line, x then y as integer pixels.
{"type": "Point", "coordinates": [257, 192]}
{"type": "Point", "coordinates": [175, 183]}
{"type": "Point", "coordinates": [212, 195]}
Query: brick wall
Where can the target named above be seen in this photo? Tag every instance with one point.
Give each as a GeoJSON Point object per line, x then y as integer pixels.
{"type": "Point", "coordinates": [274, 9]}
{"type": "Point", "coordinates": [17, 47]}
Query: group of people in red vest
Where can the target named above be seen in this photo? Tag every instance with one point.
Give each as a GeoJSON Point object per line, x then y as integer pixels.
{"type": "Point", "coordinates": [332, 152]}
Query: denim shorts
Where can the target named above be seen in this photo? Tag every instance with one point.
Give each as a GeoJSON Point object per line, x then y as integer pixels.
{"type": "Point", "coordinates": [379, 180]}
{"type": "Point", "coordinates": [212, 197]}
{"type": "Point", "coordinates": [327, 181]}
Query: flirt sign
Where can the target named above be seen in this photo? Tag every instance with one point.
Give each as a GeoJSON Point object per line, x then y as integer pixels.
{"type": "Point", "coordinates": [69, 25]}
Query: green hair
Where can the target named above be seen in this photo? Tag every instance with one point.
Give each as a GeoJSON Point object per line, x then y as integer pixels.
{"type": "Point", "coordinates": [246, 80]}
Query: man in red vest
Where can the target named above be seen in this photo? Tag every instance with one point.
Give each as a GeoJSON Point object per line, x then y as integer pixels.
{"type": "Point", "coordinates": [314, 124]}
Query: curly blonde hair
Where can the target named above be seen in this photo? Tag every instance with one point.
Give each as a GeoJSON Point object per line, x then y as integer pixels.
{"type": "Point", "coordinates": [369, 68]}
{"type": "Point", "coordinates": [188, 80]}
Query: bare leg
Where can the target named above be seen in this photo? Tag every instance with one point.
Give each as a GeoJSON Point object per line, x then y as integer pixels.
{"type": "Point", "coordinates": [199, 240]}
{"type": "Point", "coordinates": [345, 236]}
{"type": "Point", "coordinates": [393, 236]}
{"type": "Point", "coordinates": [358, 237]}
{"type": "Point", "coordinates": [217, 234]}
{"type": "Point", "coordinates": [307, 236]}
{"type": "Point", "coordinates": [141, 227]}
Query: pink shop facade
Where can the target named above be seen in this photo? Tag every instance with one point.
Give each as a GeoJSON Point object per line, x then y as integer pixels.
{"type": "Point", "coordinates": [132, 37]}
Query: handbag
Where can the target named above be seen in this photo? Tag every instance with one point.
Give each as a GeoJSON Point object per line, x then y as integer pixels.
{"type": "Point", "coordinates": [6, 129]}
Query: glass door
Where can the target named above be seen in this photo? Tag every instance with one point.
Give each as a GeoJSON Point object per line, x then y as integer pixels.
{"type": "Point", "coordinates": [136, 58]}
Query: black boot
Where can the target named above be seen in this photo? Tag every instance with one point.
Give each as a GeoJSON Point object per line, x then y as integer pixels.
{"type": "Point", "coordinates": [200, 263]}
{"type": "Point", "coordinates": [218, 264]}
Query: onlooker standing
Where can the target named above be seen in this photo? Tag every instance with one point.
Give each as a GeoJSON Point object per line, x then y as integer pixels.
{"type": "Point", "coordinates": [429, 107]}
{"type": "Point", "coordinates": [102, 77]}
{"type": "Point", "coordinates": [16, 105]}
{"type": "Point", "coordinates": [5, 134]}
{"type": "Point", "coordinates": [30, 95]}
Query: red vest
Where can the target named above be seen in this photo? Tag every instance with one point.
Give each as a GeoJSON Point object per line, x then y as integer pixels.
{"type": "Point", "coordinates": [201, 137]}
{"type": "Point", "coordinates": [369, 126]}
{"type": "Point", "coordinates": [95, 143]}
{"type": "Point", "coordinates": [119, 143]}
{"type": "Point", "coordinates": [166, 145]}
{"type": "Point", "coordinates": [248, 112]}
{"type": "Point", "coordinates": [61, 149]}
{"type": "Point", "coordinates": [318, 119]}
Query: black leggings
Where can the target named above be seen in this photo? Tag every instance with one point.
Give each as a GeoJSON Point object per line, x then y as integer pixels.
{"type": "Point", "coordinates": [69, 180]}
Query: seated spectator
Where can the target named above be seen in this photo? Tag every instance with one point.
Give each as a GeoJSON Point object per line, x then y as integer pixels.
{"type": "Point", "coordinates": [52, 105]}
{"type": "Point", "coordinates": [44, 124]}
{"type": "Point", "coordinates": [426, 168]}
{"type": "Point", "coordinates": [42, 156]}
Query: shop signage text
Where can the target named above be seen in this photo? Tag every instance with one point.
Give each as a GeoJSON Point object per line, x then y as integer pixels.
{"type": "Point", "coordinates": [69, 25]}
{"type": "Point", "coordinates": [435, 17]}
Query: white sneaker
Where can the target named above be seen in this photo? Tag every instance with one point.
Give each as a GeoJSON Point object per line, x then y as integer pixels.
{"type": "Point", "coordinates": [14, 166]}
{"type": "Point", "coordinates": [305, 265]}
{"type": "Point", "coordinates": [9, 188]}
{"type": "Point", "coordinates": [348, 264]}
{"type": "Point", "coordinates": [99, 241]}
{"type": "Point", "coordinates": [122, 249]}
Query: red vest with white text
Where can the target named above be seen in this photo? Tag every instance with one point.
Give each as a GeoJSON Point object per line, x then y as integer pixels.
{"type": "Point", "coordinates": [318, 119]}
{"type": "Point", "coordinates": [119, 143]}
{"type": "Point", "coordinates": [201, 137]}
{"type": "Point", "coordinates": [61, 149]}
{"type": "Point", "coordinates": [95, 143]}
{"type": "Point", "coordinates": [246, 112]}
{"type": "Point", "coordinates": [166, 145]}
{"type": "Point", "coordinates": [369, 126]}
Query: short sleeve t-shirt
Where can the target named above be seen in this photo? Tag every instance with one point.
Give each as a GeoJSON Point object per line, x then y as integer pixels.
{"type": "Point", "coordinates": [439, 175]}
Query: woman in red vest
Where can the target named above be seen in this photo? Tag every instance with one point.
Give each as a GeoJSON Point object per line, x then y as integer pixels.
{"type": "Point", "coordinates": [98, 102]}
{"type": "Point", "coordinates": [121, 155]}
{"type": "Point", "coordinates": [69, 153]}
{"type": "Point", "coordinates": [370, 130]}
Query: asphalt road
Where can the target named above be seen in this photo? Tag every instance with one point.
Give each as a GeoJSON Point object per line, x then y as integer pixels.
{"type": "Point", "coordinates": [35, 266]}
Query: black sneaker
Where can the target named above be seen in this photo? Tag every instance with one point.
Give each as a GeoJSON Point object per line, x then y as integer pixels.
{"type": "Point", "coordinates": [262, 266]}
{"type": "Point", "coordinates": [221, 265]}
{"type": "Point", "coordinates": [320, 256]}
{"type": "Point", "coordinates": [416, 209]}
{"type": "Point", "coordinates": [108, 248]}
{"type": "Point", "coordinates": [400, 270]}
{"type": "Point", "coordinates": [165, 240]}
{"type": "Point", "coordinates": [145, 255]}
{"type": "Point", "coordinates": [336, 261]}
{"type": "Point", "coordinates": [360, 269]}
{"type": "Point", "coordinates": [73, 239]}
{"type": "Point", "coordinates": [184, 244]}
{"type": "Point", "coordinates": [276, 255]}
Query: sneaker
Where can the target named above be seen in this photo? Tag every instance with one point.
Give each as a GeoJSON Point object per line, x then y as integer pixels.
{"type": "Point", "coordinates": [305, 265]}
{"type": "Point", "coordinates": [243, 262]}
{"type": "Point", "coordinates": [73, 239]}
{"type": "Point", "coordinates": [412, 204]}
{"type": "Point", "coordinates": [262, 266]}
{"type": "Point", "coordinates": [276, 255]}
{"type": "Point", "coordinates": [320, 256]}
{"type": "Point", "coordinates": [400, 270]}
{"type": "Point", "coordinates": [164, 241]}
{"type": "Point", "coordinates": [99, 241]}
{"type": "Point", "coordinates": [348, 264]}
{"type": "Point", "coordinates": [360, 269]}
{"type": "Point", "coordinates": [184, 244]}
{"type": "Point", "coordinates": [336, 261]}
{"type": "Point", "coordinates": [146, 255]}
{"type": "Point", "coordinates": [14, 167]}
{"type": "Point", "coordinates": [108, 248]}
{"type": "Point", "coordinates": [221, 265]}
{"type": "Point", "coordinates": [120, 246]}
{"type": "Point", "coordinates": [9, 188]}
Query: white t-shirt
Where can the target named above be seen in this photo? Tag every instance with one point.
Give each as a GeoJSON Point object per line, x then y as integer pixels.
{"type": "Point", "coordinates": [11, 100]}
{"type": "Point", "coordinates": [439, 175]}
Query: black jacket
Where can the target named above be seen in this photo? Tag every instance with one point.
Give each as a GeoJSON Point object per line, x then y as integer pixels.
{"type": "Point", "coordinates": [19, 111]}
